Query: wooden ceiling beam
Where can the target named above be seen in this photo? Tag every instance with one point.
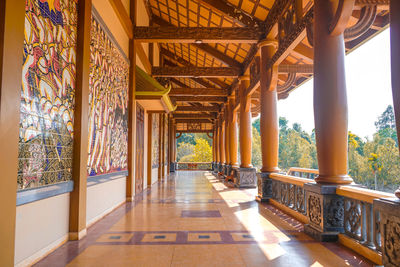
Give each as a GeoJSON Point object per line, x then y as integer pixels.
{"type": "Point", "coordinates": [208, 99]}
{"type": "Point", "coordinates": [304, 51]}
{"type": "Point", "coordinates": [199, 81]}
{"type": "Point", "coordinates": [184, 91]}
{"type": "Point", "coordinates": [200, 108]}
{"type": "Point", "coordinates": [193, 115]}
{"type": "Point", "coordinates": [196, 72]}
{"type": "Point", "coordinates": [215, 53]}
{"type": "Point", "coordinates": [232, 12]}
{"type": "Point", "coordinates": [193, 120]}
{"type": "Point", "coordinates": [296, 68]}
{"type": "Point", "coordinates": [183, 62]}
{"type": "Point", "coordinates": [172, 34]}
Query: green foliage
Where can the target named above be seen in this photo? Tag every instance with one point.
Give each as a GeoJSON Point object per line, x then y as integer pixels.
{"type": "Point", "coordinates": [188, 138]}
{"type": "Point", "coordinates": [256, 124]}
{"type": "Point", "coordinates": [256, 160]}
{"type": "Point", "coordinates": [201, 151]}
{"type": "Point", "coordinates": [386, 120]}
{"type": "Point", "coordinates": [183, 150]}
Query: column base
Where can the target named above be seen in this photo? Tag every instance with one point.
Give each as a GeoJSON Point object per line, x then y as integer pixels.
{"type": "Point", "coordinates": [221, 171]}
{"type": "Point", "coordinates": [245, 178]}
{"type": "Point", "coordinates": [264, 184]}
{"type": "Point", "coordinates": [172, 167]}
{"type": "Point", "coordinates": [325, 212]}
{"type": "Point", "coordinates": [389, 209]}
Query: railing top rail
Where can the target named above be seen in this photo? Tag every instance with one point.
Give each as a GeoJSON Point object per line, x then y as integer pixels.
{"type": "Point", "coordinates": [291, 179]}
{"type": "Point", "coordinates": [297, 169]}
{"type": "Point", "coordinates": [363, 194]}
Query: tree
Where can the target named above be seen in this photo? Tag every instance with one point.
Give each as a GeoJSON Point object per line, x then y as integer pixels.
{"type": "Point", "coordinates": [386, 119]}
{"type": "Point", "coordinates": [375, 166]}
{"type": "Point", "coordinates": [256, 124]}
{"type": "Point", "coordinates": [256, 159]}
{"type": "Point", "coordinates": [184, 149]}
{"type": "Point", "coordinates": [202, 151]}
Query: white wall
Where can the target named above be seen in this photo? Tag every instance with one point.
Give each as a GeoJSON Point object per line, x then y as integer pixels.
{"type": "Point", "coordinates": [103, 198]}
{"type": "Point", "coordinates": [40, 227]}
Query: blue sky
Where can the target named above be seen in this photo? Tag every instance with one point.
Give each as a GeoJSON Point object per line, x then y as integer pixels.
{"type": "Point", "coordinates": [368, 89]}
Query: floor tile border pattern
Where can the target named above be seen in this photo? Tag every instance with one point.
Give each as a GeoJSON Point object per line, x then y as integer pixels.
{"type": "Point", "coordinates": [71, 249]}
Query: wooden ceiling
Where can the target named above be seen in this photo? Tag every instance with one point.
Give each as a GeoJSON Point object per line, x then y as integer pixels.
{"type": "Point", "coordinates": [204, 72]}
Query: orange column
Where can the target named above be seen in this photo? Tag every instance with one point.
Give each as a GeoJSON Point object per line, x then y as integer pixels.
{"type": "Point", "coordinates": [233, 146]}
{"type": "Point", "coordinates": [222, 142]}
{"type": "Point", "coordinates": [217, 142]}
{"type": "Point", "coordinates": [330, 98]}
{"type": "Point", "coordinates": [11, 46]}
{"type": "Point", "coordinates": [395, 62]}
{"type": "Point", "coordinates": [245, 134]}
{"type": "Point", "coordinates": [269, 115]}
{"type": "Point", "coordinates": [226, 123]}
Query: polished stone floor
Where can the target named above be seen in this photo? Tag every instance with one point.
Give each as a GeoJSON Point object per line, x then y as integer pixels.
{"type": "Point", "coordinates": [194, 219]}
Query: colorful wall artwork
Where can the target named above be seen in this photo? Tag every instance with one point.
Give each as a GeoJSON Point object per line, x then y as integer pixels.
{"type": "Point", "coordinates": [108, 105]}
{"type": "Point", "coordinates": [47, 93]}
{"type": "Point", "coordinates": [155, 158]}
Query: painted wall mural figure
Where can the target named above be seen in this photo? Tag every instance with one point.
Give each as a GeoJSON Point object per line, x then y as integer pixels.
{"type": "Point", "coordinates": [108, 104]}
{"type": "Point", "coordinates": [47, 93]}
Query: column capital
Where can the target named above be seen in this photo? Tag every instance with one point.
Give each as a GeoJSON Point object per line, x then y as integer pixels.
{"type": "Point", "coordinates": [268, 42]}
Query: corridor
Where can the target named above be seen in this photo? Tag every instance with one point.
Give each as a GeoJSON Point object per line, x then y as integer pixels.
{"type": "Point", "coordinates": [193, 219]}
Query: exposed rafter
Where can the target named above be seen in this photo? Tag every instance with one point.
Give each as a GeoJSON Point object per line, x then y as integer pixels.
{"type": "Point", "coordinates": [208, 99]}
{"type": "Point", "coordinates": [198, 91]}
{"type": "Point", "coordinates": [232, 12]}
{"type": "Point", "coordinates": [200, 81]}
{"type": "Point", "coordinates": [193, 115]}
{"type": "Point", "coordinates": [215, 53]}
{"type": "Point", "coordinates": [191, 71]}
{"type": "Point", "coordinates": [198, 108]}
{"type": "Point", "coordinates": [193, 120]}
{"type": "Point", "coordinates": [183, 62]}
{"type": "Point", "coordinates": [173, 34]}
{"type": "Point", "coordinates": [296, 68]}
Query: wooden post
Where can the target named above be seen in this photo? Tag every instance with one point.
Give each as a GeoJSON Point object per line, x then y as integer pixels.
{"type": "Point", "coordinates": [269, 114]}
{"type": "Point", "coordinates": [233, 146]}
{"type": "Point", "coordinates": [330, 98]}
{"type": "Point", "coordinates": [227, 130]}
{"type": "Point", "coordinates": [245, 134]}
{"type": "Point", "coordinates": [77, 216]}
{"type": "Point", "coordinates": [216, 142]}
{"type": "Point", "coordinates": [130, 182]}
{"type": "Point", "coordinates": [149, 147]}
{"type": "Point", "coordinates": [160, 144]}
{"type": "Point", "coordinates": [11, 48]}
{"type": "Point", "coordinates": [395, 61]}
{"type": "Point", "coordinates": [222, 143]}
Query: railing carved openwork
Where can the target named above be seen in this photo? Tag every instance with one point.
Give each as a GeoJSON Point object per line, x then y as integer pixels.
{"type": "Point", "coordinates": [194, 166]}
{"type": "Point", "coordinates": [288, 190]}
{"type": "Point", "coordinates": [361, 221]}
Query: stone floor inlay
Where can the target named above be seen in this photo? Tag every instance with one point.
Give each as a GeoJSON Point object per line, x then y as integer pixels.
{"type": "Point", "coordinates": [194, 219]}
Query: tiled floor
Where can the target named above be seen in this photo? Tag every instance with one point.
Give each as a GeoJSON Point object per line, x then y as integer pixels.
{"type": "Point", "coordinates": [193, 219]}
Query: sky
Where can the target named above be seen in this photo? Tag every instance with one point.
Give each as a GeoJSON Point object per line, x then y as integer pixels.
{"type": "Point", "coordinates": [368, 89]}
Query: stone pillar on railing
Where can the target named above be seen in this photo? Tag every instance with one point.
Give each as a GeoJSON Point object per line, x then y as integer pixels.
{"type": "Point", "coordinates": [389, 209]}
{"type": "Point", "coordinates": [246, 174]}
{"type": "Point", "coordinates": [268, 119]}
{"type": "Point", "coordinates": [325, 209]}
{"type": "Point", "coordinates": [227, 150]}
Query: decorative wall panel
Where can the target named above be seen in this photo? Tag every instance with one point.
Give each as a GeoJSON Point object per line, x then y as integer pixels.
{"type": "Point", "coordinates": [108, 104]}
{"type": "Point", "coordinates": [47, 93]}
{"type": "Point", "coordinates": [155, 140]}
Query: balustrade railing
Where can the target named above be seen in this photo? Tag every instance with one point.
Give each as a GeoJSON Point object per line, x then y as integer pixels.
{"type": "Point", "coordinates": [303, 172]}
{"type": "Point", "coordinates": [194, 165]}
{"type": "Point", "coordinates": [361, 220]}
{"type": "Point", "coordinates": [288, 190]}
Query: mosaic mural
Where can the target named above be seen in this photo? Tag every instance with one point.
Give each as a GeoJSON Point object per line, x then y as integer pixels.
{"type": "Point", "coordinates": [108, 105]}
{"type": "Point", "coordinates": [155, 133]}
{"type": "Point", "coordinates": [47, 93]}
